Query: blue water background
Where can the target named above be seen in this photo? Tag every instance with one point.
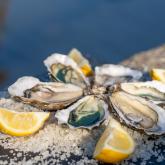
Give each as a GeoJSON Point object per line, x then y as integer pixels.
{"type": "Point", "coordinates": [107, 31]}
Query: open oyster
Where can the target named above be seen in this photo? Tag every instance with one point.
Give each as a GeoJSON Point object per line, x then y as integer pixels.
{"type": "Point", "coordinates": [88, 112]}
{"type": "Point", "coordinates": [110, 74]}
{"type": "Point", "coordinates": [152, 90]}
{"type": "Point", "coordinates": [64, 69]}
{"type": "Point", "coordinates": [48, 95]}
{"type": "Point", "coordinates": [139, 113]}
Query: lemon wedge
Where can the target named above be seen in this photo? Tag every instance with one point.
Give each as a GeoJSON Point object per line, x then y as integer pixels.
{"type": "Point", "coordinates": [158, 74]}
{"type": "Point", "coordinates": [81, 61]}
{"type": "Point", "coordinates": [21, 123]}
{"type": "Point", "coordinates": [114, 145]}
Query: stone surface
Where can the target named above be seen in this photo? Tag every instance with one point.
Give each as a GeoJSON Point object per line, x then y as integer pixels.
{"type": "Point", "coordinates": [154, 58]}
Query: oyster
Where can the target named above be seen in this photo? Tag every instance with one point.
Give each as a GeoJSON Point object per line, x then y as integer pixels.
{"type": "Point", "coordinates": [110, 74]}
{"type": "Point", "coordinates": [23, 83]}
{"type": "Point", "coordinates": [88, 112]}
{"type": "Point", "coordinates": [139, 113]}
{"type": "Point", "coordinates": [152, 90]}
{"type": "Point", "coordinates": [64, 69]}
{"type": "Point", "coordinates": [44, 95]}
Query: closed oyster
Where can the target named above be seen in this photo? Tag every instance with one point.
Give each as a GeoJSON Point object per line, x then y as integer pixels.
{"type": "Point", "coordinates": [64, 69]}
{"type": "Point", "coordinates": [44, 95]}
{"type": "Point", "coordinates": [152, 90]}
{"type": "Point", "coordinates": [88, 112]}
{"type": "Point", "coordinates": [139, 113]}
{"type": "Point", "coordinates": [110, 74]}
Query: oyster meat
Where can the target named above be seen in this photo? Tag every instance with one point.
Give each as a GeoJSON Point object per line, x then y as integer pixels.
{"type": "Point", "coordinates": [44, 95]}
{"type": "Point", "coordinates": [88, 112]}
{"type": "Point", "coordinates": [110, 74]}
{"type": "Point", "coordinates": [139, 113]}
{"type": "Point", "coordinates": [151, 90]}
{"type": "Point", "coordinates": [64, 69]}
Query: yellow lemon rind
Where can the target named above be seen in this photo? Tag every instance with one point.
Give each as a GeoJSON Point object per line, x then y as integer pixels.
{"type": "Point", "coordinates": [41, 117]}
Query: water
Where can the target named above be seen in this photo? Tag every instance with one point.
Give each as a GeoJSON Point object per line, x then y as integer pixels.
{"type": "Point", "coordinates": [107, 31]}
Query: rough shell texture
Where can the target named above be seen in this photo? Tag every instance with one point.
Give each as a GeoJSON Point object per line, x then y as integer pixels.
{"type": "Point", "coordinates": [64, 61]}
{"type": "Point", "coordinates": [139, 113]}
{"type": "Point", "coordinates": [109, 74]}
{"type": "Point", "coordinates": [23, 83]}
{"type": "Point", "coordinates": [67, 74]}
{"type": "Point", "coordinates": [49, 96]}
{"type": "Point", "coordinates": [88, 112]}
{"type": "Point", "coordinates": [152, 90]}
{"type": "Point", "coordinates": [151, 84]}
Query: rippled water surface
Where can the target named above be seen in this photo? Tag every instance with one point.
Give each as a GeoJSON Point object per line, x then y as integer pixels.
{"type": "Point", "coordinates": [105, 30]}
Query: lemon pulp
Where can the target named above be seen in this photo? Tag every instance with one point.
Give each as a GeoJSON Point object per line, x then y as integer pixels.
{"type": "Point", "coordinates": [114, 145]}
{"type": "Point", "coordinates": [21, 123]}
{"type": "Point", "coordinates": [158, 74]}
{"type": "Point", "coordinates": [81, 61]}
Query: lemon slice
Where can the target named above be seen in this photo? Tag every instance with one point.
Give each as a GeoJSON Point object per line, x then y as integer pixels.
{"type": "Point", "coordinates": [21, 123]}
{"type": "Point", "coordinates": [158, 74]}
{"type": "Point", "coordinates": [114, 145]}
{"type": "Point", "coordinates": [81, 61]}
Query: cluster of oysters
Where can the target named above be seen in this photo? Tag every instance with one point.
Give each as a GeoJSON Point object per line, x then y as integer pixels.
{"type": "Point", "coordinates": [86, 101]}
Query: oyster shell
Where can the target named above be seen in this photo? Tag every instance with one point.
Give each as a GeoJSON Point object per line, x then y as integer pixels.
{"type": "Point", "coordinates": [44, 95]}
{"type": "Point", "coordinates": [110, 74]}
{"type": "Point", "coordinates": [64, 69]}
{"type": "Point", "coordinates": [151, 90]}
{"type": "Point", "coordinates": [139, 113]}
{"type": "Point", "coordinates": [88, 112]}
{"type": "Point", "coordinates": [23, 83]}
